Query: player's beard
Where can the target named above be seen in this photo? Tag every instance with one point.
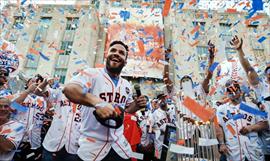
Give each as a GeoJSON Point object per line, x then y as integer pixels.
{"type": "Point", "coordinates": [114, 70]}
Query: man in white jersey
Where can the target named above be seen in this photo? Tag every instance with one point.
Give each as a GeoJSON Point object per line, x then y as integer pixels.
{"type": "Point", "coordinates": [262, 90]}
{"type": "Point", "coordinates": [240, 127]}
{"type": "Point", "coordinates": [61, 141]}
{"type": "Point", "coordinates": [11, 131]}
{"type": "Point", "coordinates": [100, 90]}
{"type": "Point", "coordinates": [30, 148]}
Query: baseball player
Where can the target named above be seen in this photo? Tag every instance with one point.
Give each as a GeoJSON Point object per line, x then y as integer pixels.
{"type": "Point", "coordinates": [30, 148]}
{"type": "Point", "coordinates": [240, 128]}
{"type": "Point", "coordinates": [61, 140]}
{"type": "Point", "coordinates": [101, 90]}
{"type": "Point", "coordinates": [261, 89]}
{"type": "Point", "coordinates": [11, 131]}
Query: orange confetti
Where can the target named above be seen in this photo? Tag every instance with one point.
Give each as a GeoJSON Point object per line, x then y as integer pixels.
{"type": "Point", "coordinates": [6, 131]}
{"type": "Point", "coordinates": [248, 21]}
{"type": "Point", "coordinates": [33, 51]}
{"type": "Point", "coordinates": [60, 51]}
{"type": "Point", "coordinates": [4, 46]}
{"type": "Point", "coordinates": [91, 140]}
{"type": "Point", "coordinates": [166, 8]}
{"type": "Point", "coordinates": [195, 43]}
{"type": "Point", "coordinates": [197, 109]}
{"type": "Point", "coordinates": [99, 65]}
{"type": "Point", "coordinates": [196, 28]}
{"type": "Point", "coordinates": [192, 2]}
{"type": "Point", "coordinates": [141, 48]}
{"type": "Point", "coordinates": [231, 10]}
{"type": "Point", "coordinates": [212, 91]}
{"type": "Point", "coordinates": [230, 128]}
{"type": "Point", "coordinates": [181, 142]}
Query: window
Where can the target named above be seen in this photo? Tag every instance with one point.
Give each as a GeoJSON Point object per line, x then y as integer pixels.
{"type": "Point", "coordinates": [61, 74]}
{"type": "Point", "coordinates": [16, 29]}
{"type": "Point", "coordinates": [202, 54]}
{"type": "Point", "coordinates": [254, 43]}
{"type": "Point", "coordinates": [38, 42]}
{"type": "Point", "coordinates": [259, 55]}
{"type": "Point", "coordinates": [18, 20]}
{"type": "Point", "coordinates": [72, 23]}
{"type": "Point", "coordinates": [66, 46]}
{"type": "Point", "coordinates": [225, 33]}
{"type": "Point", "coordinates": [46, 10]}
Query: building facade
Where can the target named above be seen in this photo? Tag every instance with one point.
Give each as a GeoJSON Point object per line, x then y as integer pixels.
{"type": "Point", "coordinates": [60, 39]}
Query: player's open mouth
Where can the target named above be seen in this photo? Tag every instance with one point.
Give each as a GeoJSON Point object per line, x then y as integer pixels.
{"type": "Point", "coordinates": [116, 60]}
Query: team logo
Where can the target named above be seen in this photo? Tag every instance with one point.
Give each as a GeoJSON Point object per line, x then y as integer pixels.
{"type": "Point", "coordinates": [9, 60]}
{"type": "Point", "coordinates": [127, 90]}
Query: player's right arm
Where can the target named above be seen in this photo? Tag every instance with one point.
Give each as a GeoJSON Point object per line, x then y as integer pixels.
{"type": "Point", "coordinates": [252, 75]}
{"type": "Point", "coordinates": [220, 136]}
{"type": "Point", "coordinates": [166, 78]}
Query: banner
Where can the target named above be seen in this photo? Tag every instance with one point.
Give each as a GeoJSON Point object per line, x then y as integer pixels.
{"type": "Point", "coordinates": [142, 31]}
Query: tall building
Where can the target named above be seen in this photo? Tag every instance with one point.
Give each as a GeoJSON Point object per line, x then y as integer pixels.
{"type": "Point", "coordinates": [59, 39]}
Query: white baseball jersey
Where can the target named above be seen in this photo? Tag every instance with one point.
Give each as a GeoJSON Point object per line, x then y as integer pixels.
{"type": "Point", "coordinates": [240, 146]}
{"type": "Point", "coordinates": [159, 121]}
{"type": "Point", "coordinates": [144, 123]}
{"type": "Point", "coordinates": [96, 140]}
{"type": "Point", "coordinates": [262, 91]}
{"type": "Point", "coordinates": [33, 119]}
{"type": "Point", "coordinates": [13, 131]}
{"type": "Point", "coordinates": [65, 126]}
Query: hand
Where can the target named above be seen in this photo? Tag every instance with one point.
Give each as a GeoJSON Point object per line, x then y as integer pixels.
{"type": "Point", "coordinates": [236, 43]}
{"type": "Point", "coordinates": [224, 149]}
{"type": "Point", "coordinates": [245, 130]}
{"type": "Point", "coordinates": [50, 81]}
{"type": "Point", "coordinates": [106, 111]}
{"type": "Point", "coordinates": [211, 49]}
{"type": "Point", "coordinates": [32, 88]}
{"type": "Point", "coordinates": [168, 53]}
{"type": "Point", "coordinates": [141, 102]}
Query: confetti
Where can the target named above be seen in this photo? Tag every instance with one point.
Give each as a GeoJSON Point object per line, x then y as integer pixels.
{"type": "Point", "coordinates": [213, 66]}
{"type": "Point", "coordinates": [166, 8]}
{"type": "Point", "coordinates": [18, 107]}
{"type": "Point", "coordinates": [197, 109]}
{"type": "Point", "coordinates": [262, 39]}
{"type": "Point", "coordinates": [252, 110]}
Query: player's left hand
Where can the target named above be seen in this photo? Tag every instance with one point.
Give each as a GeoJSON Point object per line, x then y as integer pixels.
{"type": "Point", "coordinates": [245, 130]}
{"type": "Point", "coordinates": [141, 102]}
{"type": "Point", "coordinates": [236, 43]}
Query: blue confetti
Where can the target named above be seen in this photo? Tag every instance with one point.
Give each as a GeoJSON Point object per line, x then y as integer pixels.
{"type": "Point", "coordinates": [149, 52]}
{"type": "Point", "coordinates": [196, 35]}
{"type": "Point", "coordinates": [262, 39]}
{"type": "Point", "coordinates": [23, 1]}
{"type": "Point", "coordinates": [213, 66]}
{"type": "Point", "coordinates": [125, 15]}
{"type": "Point", "coordinates": [30, 56]}
{"type": "Point", "coordinates": [18, 107]}
{"type": "Point", "coordinates": [252, 110]}
{"type": "Point", "coordinates": [19, 128]}
{"type": "Point", "coordinates": [238, 116]}
{"type": "Point", "coordinates": [44, 56]}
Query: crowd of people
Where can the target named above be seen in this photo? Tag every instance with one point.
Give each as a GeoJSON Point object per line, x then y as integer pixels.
{"type": "Point", "coordinates": [96, 116]}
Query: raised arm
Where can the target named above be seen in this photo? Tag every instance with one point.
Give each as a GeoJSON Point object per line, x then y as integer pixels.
{"type": "Point", "coordinates": [253, 77]}
{"type": "Point", "coordinates": [166, 76]}
{"type": "Point", "coordinates": [211, 50]}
